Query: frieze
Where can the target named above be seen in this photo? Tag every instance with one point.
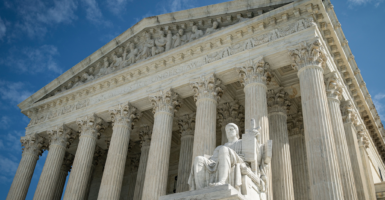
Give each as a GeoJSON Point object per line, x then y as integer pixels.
{"type": "Point", "coordinates": [43, 114]}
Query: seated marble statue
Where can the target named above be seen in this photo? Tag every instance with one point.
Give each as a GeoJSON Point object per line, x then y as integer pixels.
{"type": "Point", "coordinates": [229, 163]}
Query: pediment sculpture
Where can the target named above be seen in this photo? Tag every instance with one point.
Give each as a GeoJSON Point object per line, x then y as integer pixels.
{"type": "Point", "coordinates": [242, 163]}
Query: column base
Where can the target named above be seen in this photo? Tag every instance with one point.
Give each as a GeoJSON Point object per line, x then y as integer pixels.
{"type": "Point", "coordinates": [223, 192]}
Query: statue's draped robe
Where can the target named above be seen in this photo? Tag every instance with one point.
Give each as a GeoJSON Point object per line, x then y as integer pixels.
{"type": "Point", "coordinates": [205, 170]}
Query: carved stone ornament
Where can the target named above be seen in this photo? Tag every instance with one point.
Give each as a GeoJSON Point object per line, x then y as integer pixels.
{"type": "Point", "coordinates": [124, 113]}
{"type": "Point", "coordinates": [67, 162]}
{"type": "Point", "coordinates": [133, 162]}
{"type": "Point", "coordinates": [98, 154]}
{"type": "Point", "coordinates": [165, 101]}
{"type": "Point", "coordinates": [333, 87]}
{"type": "Point", "coordinates": [33, 144]}
{"type": "Point", "coordinates": [278, 101]}
{"type": "Point", "coordinates": [254, 71]}
{"type": "Point", "coordinates": [91, 125]}
{"type": "Point", "coordinates": [308, 53]}
{"type": "Point", "coordinates": [349, 114]}
{"type": "Point", "coordinates": [207, 86]}
{"type": "Point", "coordinates": [186, 125]}
{"type": "Point", "coordinates": [145, 133]}
{"type": "Point", "coordinates": [61, 135]}
{"type": "Point", "coordinates": [295, 124]}
{"type": "Point", "coordinates": [361, 136]}
{"type": "Point", "coordinates": [231, 112]}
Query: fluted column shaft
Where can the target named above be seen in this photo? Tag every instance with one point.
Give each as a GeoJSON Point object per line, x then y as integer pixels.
{"type": "Point", "coordinates": [51, 171]}
{"type": "Point", "coordinates": [60, 185]}
{"type": "Point", "coordinates": [299, 167]}
{"type": "Point", "coordinates": [155, 182]}
{"type": "Point", "coordinates": [97, 178]}
{"type": "Point", "coordinates": [325, 182]}
{"type": "Point", "coordinates": [185, 162]}
{"type": "Point", "coordinates": [20, 184]}
{"type": "Point", "coordinates": [345, 166]}
{"type": "Point", "coordinates": [141, 172]}
{"type": "Point", "coordinates": [356, 160]}
{"type": "Point", "coordinates": [254, 76]}
{"type": "Point", "coordinates": [281, 162]}
{"type": "Point", "coordinates": [81, 168]}
{"type": "Point", "coordinates": [112, 180]}
{"type": "Point", "coordinates": [207, 92]}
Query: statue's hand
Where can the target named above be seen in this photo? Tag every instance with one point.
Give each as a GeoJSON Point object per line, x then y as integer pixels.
{"type": "Point", "coordinates": [242, 156]}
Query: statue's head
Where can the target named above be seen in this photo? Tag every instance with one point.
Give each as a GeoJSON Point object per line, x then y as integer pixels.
{"type": "Point", "coordinates": [215, 24]}
{"type": "Point", "coordinates": [180, 31]}
{"type": "Point", "coordinates": [232, 130]}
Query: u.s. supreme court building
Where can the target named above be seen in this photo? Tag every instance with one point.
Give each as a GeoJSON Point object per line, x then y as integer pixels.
{"type": "Point", "coordinates": [247, 99]}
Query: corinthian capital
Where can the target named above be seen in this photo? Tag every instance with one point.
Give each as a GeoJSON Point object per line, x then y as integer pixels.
{"type": "Point", "coordinates": [145, 134]}
{"type": "Point", "coordinates": [61, 135]}
{"type": "Point", "coordinates": [207, 86]}
{"type": "Point", "coordinates": [361, 137]}
{"type": "Point", "coordinates": [231, 112]}
{"type": "Point", "coordinates": [308, 53]}
{"type": "Point", "coordinates": [333, 87]}
{"type": "Point", "coordinates": [33, 144]}
{"type": "Point", "coordinates": [124, 114]}
{"type": "Point", "coordinates": [254, 71]}
{"type": "Point", "coordinates": [278, 101]}
{"type": "Point", "coordinates": [67, 162]}
{"type": "Point", "coordinates": [186, 124]}
{"type": "Point", "coordinates": [165, 101]}
{"type": "Point", "coordinates": [295, 124]}
{"type": "Point", "coordinates": [91, 125]}
{"type": "Point", "coordinates": [349, 115]}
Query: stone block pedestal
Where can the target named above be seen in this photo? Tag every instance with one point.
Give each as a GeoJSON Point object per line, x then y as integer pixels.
{"type": "Point", "coordinates": [223, 192]}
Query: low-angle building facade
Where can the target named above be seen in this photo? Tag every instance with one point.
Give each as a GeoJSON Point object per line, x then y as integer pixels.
{"type": "Point", "coordinates": [157, 113]}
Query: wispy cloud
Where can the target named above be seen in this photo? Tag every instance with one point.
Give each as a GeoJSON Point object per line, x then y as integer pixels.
{"type": "Point", "coordinates": [117, 6]}
{"type": "Point", "coordinates": [36, 15]}
{"type": "Point", "coordinates": [33, 60]}
{"type": "Point", "coordinates": [3, 29]}
{"type": "Point", "coordinates": [379, 101]}
{"type": "Point", "coordinates": [4, 122]}
{"type": "Point", "coordinates": [353, 3]}
{"type": "Point", "coordinates": [93, 13]}
{"type": "Point", "coordinates": [9, 145]}
{"type": "Point", "coordinates": [14, 92]}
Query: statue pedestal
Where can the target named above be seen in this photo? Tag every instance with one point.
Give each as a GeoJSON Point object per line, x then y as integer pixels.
{"type": "Point", "coordinates": [223, 192]}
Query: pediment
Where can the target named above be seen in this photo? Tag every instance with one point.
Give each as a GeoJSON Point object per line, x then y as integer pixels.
{"type": "Point", "coordinates": [151, 37]}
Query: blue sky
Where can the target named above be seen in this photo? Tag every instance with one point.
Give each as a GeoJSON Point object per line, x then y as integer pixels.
{"type": "Point", "coordinates": [39, 40]}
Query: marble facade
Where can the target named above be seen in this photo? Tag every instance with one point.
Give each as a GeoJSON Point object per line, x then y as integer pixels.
{"type": "Point", "coordinates": [128, 121]}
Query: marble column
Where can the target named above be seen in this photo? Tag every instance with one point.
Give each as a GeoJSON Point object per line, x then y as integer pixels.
{"type": "Point", "coordinates": [122, 118]}
{"type": "Point", "coordinates": [97, 177]}
{"type": "Point", "coordinates": [230, 112]}
{"type": "Point", "coordinates": [155, 183]}
{"type": "Point", "coordinates": [298, 157]}
{"type": "Point", "coordinates": [186, 126]}
{"type": "Point", "coordinates": [131, 178]}
{"type": "Point", "coordinates": [33, 145]}
{"type": "Point", "coordinates": [325, 182]}
{"type": "Point", "coordinates": [349, 117]}
{"type": "Point", "coordinates": [363, 144]}
{"type": "Point", "coordinates": [207, 93]}
{"type": "Point", "coordinates": [145, 140]}
{"type": "Point", "coordinates": [255, 76]}
{"type": "Point", "coordinates": [334, 90]}
{"type": "Point", "coordinates": [278, 106]}
{"type": "Point", "coordinates": [97, 155]}
{"type": "Point", "coordinates": [65, 168]}
{"type": "Point", "coordinates": [60, 139]}
{"type": "Point", "coordinates": [89, 127]}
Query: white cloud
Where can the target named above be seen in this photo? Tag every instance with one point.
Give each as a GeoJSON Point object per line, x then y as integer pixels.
{"type": "Point", "coordinates": [117, 6]}
{"type": "Point", "coordinates": [33, 60]}
{"type": "Point", "coordinates": [93, 13]}
{"type": "Point", "coordinates": [4, 122]}
{"type": "Point", "coordinates": [3, 29]}
{"type": "Point", "coordinates": [8, 168]}
{"type": "Point", "coordinates": [14, 92]}
{"type": "Point", "coordinates": [379, 103]}
{"type": "Point", "coordinates": [36, 15]}
{"type": "Point", "coordinates": [363, 2]}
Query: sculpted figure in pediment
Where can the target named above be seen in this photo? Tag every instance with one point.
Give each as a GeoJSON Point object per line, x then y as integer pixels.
{"type": "Point", "coordinates": [105, 68]}
{"type": "Point", "coordinates": [148, 47]}
{"type": "Point", "coordinates": [212, 29]}
{"type": "Point", "coordinates": [130, 58]}
{"type": "Point", "coordinates": [180, 38]}
{"type": "Point", "coordinates": [168, 40]}
{"type": "Point", "coordinates": [196, 33]}
{"type": "Point", "coordinates": [116, 62]}
{"type": "Point", "coordinates": [77, 81]}
{"type": "Point", "coordinates": [160, 43]}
